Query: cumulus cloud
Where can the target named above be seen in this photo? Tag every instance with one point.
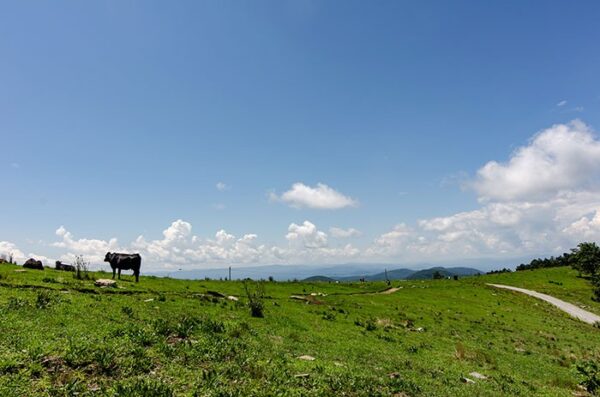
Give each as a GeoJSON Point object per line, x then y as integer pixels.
{"type": "Point", "coordinates": [306, 235]}
{"type": "Point", "coordinates": [544, 199]}
{"type": "Point", "coordinates": [561, 103]}
{"type": "Point", "coordinates": [319, 197]}
{"type": "Point", "coordinates": [93, 249]}
{"type": "Point", "coordinates": [7, 248]}
{"type": "Point", "coordinates": [562, 157]}
{"type": "Point", "coordinates": [588, 227]}
{"type": "Point", "coordinates": [344, 233]}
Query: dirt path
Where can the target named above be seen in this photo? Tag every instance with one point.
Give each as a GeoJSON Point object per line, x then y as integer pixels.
{"type": "Point", "coordinates": [569, 308]}
{"type": "Point", "coordinates": [389, 291]}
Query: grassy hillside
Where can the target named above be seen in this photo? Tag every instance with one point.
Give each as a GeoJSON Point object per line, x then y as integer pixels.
{"type": "Point", "coordinates": [60, 336]}
{"type": "Point", "coordinates": [561, 282]}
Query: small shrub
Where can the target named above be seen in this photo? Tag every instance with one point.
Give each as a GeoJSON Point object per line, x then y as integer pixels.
{"type": "Point", "coordinates": [16, 303]}
{"type": "Point", "coordinates": [161, 327]}
{"type": "Point", "coordinates": [81, 268]}
{"type": "Point", "coordinates": [49, 280]}
{"type": "Point", "coordinates": [44, 299]}
{"type": "Point", "coordinates": [369, 324]}
{"type": "Point", "coordinates": [185, 327]}
{"type": "Point", "coordinates": [106, 360]}
{"type": "Point", "coordinates": [255, 297]}
{"type": "Point", "coordinates": [596, 284]}
{"type": "Point", "coordinates": [589, 372]}
{"type": "Point", "coordinates": [213, 326]}
{"type": "Point", "coordinates": [329, 316]}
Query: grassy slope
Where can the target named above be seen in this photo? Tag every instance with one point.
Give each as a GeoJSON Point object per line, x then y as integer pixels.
{"type": "Point", "coordinates": [102, 343]}
{"type": "Point", "coordinates": [561, 282]}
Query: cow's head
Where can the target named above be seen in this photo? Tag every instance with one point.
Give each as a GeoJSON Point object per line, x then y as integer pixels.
{"type": "Point", "coordinates": [108, 257]}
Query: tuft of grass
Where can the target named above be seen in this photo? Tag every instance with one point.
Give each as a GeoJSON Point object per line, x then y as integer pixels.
{"type": "Point", "coordinates": [143, 387]}
{"type": "Point", "coordinates": [127, 310]}
{"type": "Point", "coordinates": [44, 299]}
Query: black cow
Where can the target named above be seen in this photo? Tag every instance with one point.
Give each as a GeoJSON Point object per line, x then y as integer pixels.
{"type": "Point", "coordinates": [64, 266]}
{"type": "Point", "coordinates": [124, 262]}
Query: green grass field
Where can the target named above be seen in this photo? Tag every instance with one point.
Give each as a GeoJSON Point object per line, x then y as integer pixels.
{"type": "Point", "coordinates": [64, 337]}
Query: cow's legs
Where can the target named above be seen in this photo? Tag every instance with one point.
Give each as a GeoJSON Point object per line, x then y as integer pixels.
{"type": "Point", "coordinates": [137, 276]}
{"type": "Point", "coordinates": [114, 271]}
{"type": "Point", "coordinates": [119, 274]}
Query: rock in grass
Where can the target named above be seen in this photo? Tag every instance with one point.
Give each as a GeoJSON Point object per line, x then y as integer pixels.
{"type": "Point", "coordinates": [307, 358]}
{"type": "Point", "coordinates": [233, 298]}
{"type": "Point", "coordinates": [298, 297]}
{"type": "Point", "coordinates": [105, 282]}
{"type": "Point", "coordinates": [464, 379]}
{"type": "Point", "coordinates": [477, 375]}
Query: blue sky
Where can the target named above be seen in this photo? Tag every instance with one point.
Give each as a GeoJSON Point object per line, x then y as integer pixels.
{"type": "Point", "coordinates": [117, 119]}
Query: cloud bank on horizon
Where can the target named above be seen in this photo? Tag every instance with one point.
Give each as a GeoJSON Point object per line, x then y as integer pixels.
{"type": "Point", "coordinates": [544, 198]}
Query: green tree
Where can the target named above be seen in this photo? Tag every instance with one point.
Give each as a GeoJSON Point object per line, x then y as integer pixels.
{"type": "Point", "coordinates": [586, 259]}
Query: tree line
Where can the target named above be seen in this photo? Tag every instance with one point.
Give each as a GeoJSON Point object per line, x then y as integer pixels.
{"type": "Point", "coordinates": [585, 259]}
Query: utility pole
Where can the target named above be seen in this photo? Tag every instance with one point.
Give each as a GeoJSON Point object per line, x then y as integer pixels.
{"type": "Point", "coordinates": [229, 273]}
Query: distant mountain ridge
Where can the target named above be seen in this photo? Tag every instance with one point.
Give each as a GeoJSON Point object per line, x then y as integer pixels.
{"type": "Point", "coordinates": [341, 272]}
{"type": "Point", "coordinates": [405, 274]}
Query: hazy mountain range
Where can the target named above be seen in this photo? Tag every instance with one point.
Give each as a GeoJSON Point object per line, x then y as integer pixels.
{"type": "Point", "coordinates": [346, 272]}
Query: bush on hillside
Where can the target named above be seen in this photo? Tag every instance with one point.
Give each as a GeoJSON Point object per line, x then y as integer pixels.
{"type": "Point", "coordinates": [255, 295]}
{"type": "Point", "coordinates": [589, 371]}
{"type": "Point", "coordinates": [81, 268]}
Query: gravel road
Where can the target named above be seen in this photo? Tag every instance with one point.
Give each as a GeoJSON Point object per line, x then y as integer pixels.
{"type": "Point", "coordinates": [569, 308]}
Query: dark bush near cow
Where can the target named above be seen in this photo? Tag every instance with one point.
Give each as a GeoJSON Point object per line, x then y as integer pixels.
{"type": "Point", "coordinates": [33, 264]}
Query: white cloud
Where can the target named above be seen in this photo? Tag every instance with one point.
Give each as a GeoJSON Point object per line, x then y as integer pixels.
{"type": "Point", "coordinates": [92, 249]}
{"type": "Point", "coordinates": [561, 103]}
{"type": "Point", "coordinates": [7, 248]}
{"type": "Point", "coordinates": [588, 227]}
{"type": "Point", "coordinates": [344, 233]}
{"type": "Point", "coordinates": [15, 165]}
{"type": "Point", "coordinates": [319, 197]}
{"type": "Point", "coordinates": [543, 200]}
{"type": "Point", "coordinates": [221, 186]}
{"type": "Point", "coordinates": [306, 235]}
{"type": "Point", "coordinates": [563, 157]}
